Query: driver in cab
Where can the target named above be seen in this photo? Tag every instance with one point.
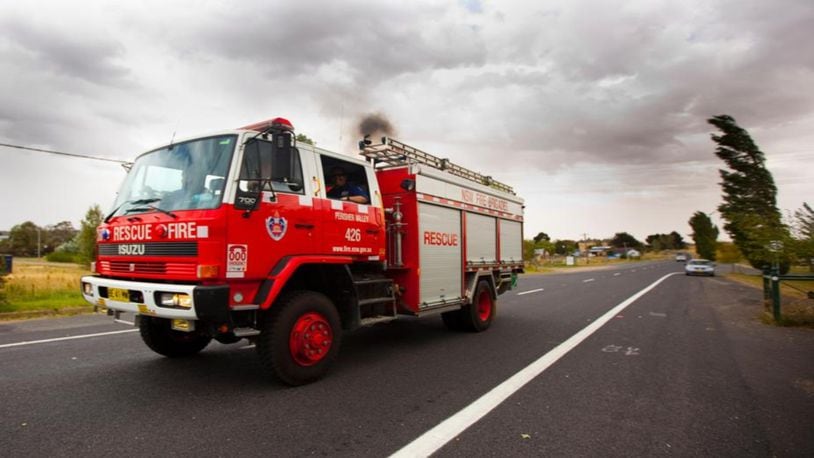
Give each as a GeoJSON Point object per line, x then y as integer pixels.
{"type": "Point", "coordinates": [342, 189]}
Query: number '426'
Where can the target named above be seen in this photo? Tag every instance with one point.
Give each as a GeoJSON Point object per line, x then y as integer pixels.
{"type": "Point", "coordinates": [353, 234]}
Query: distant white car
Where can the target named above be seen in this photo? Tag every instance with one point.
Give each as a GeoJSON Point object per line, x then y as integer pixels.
{"type": "Point", "coordinates": [681, 257]}
{"type": "Point", "coordinates": [700, 267]}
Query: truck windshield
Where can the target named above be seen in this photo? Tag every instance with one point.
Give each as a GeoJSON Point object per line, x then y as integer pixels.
{"type": "Point", "coordinates": [184, 176]}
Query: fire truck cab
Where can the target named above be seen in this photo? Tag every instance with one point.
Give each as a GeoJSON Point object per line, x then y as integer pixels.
{"type": "Point", "coordinates": [250, 234]}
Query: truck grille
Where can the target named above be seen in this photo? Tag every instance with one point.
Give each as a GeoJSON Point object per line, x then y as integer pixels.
{"type": "Point", "coordinates": [149, 249]}
{"type": "Point", "coordinates": [170, 268]}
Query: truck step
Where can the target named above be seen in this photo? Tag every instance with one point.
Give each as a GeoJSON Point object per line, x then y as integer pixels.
{"type": "Point", "coordinates": [369, 321]}
{"type": "Point", "coordinates": [246, 332]}
{"type": "Point", "coordinates": [375, 300]}
{"type": "Point", "coordinates": [372, 281]}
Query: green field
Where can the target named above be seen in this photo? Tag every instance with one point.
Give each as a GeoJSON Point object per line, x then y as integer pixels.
{"type": "Point", "coordinates": [36, 285]}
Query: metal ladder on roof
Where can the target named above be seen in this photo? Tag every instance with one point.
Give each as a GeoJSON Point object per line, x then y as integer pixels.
{"type": "Point", "coordinates": [393, 153]}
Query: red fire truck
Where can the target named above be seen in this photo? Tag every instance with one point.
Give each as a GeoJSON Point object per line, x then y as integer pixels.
{"type": "Point", "coordinates": [240, 234]}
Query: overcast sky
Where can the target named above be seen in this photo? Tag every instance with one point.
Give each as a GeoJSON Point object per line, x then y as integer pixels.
{"type": "Point", "coordinates": [595, 111]}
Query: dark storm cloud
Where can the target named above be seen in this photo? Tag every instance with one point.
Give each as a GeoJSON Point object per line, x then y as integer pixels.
{"type": "Point", "coordinates": [376, 40]}
{"type": "Point", "coordinates": [66, 53]}
{"type": "Point", "coordinates": [630, 85]}
{"type": "Point", "coordinates": [57, 79]}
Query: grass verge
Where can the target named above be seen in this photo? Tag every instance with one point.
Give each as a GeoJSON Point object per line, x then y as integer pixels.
{"type": "Point", "coordinates": [37, 285]}
{"type": "Point", "coordinates": [796, 309]}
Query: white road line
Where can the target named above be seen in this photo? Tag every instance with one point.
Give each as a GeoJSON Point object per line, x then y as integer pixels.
{"type": "Point", "coordinates": [588, 280]}
{"type": "Point", "coordinates": [530, 291]}
{"type": "Point", "coordinates": [616, 274]}
{"type": "Point", "coordinates": [58, 339]}
{"type": "Point", "coordinates": [432, 440]}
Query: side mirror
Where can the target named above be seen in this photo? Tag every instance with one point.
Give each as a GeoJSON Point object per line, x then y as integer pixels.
{"type": "Point", "coordinates": [281, 144]}
{"type": "Point", "coordinates": [296, 187]}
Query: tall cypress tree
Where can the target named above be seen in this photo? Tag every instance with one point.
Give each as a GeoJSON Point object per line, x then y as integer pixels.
{"type": "Point", "coordinates": [704, 234]}
{"type": "Point", "coordinates": [804, 225]}
{"type": "Point", "coordinates": [750, 195]}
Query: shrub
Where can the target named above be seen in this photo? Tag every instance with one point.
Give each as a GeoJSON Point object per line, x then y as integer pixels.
{"type": "Point", "coordinates": [62, 256]}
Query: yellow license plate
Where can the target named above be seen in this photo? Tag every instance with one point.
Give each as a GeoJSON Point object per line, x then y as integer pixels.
{"type": "Point", "coordinates": [120, 295]}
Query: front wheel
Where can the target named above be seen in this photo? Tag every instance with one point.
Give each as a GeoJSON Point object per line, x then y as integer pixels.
{"type": "Point", "coordinates": [299, 338]}
{"type": "Point", "coordinates": [162, 339]}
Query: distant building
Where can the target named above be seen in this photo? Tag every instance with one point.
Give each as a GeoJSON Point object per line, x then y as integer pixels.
{"type": "Point", "coordinates": [599, 250]}
{"type": "Point", "coordinates": [4, 235]}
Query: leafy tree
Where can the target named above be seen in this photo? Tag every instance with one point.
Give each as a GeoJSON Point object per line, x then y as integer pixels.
{"type": "Point", "coordinates": [704, 234]}
{"type": "Point", "coordinates": [750, 196]}
{"type": "Point", "coordinates": [804, 222]}
{"type": "Point", "coordinates": [541, 237]}
{"type": "Point", "coordinates": [528, 250]}
{"type": "Point", "coordinates": [86, 238]}
{"type": "Point", "coordinates": [625, 240]}
{"type": "Point", "coordinates": [671, 241]}
{"type": "Point", "coordinates": [565, 246]}
{"type": "Point", "coordinates": [22, 239]}
{"type": "Point", "coordinates": [728, 253]}
{"type": "Point", "coordinates": [304, 139]}
{"type": "Point", "coordinates": [655, 242]}
{"type": "Point", "coordinates": [677, 241]}
{"type": "Point", "coordinates": [58, 234]}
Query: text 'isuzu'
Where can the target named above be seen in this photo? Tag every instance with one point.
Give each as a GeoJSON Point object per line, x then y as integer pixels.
{"type": "Point", "coordinates": [248, 234]}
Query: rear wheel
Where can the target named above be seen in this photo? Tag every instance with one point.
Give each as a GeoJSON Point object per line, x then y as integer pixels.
{"type": "Point", "coordinates": [478, 315]}
{"type": "Point", "coordinates": [299, 339]}
{"type": "Point", "coordinates": [162, 339]}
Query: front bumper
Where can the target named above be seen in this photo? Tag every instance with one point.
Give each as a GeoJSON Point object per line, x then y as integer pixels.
{"type": "Point", "coordinates": [706, 272]}
{"type": "Point", "coordinates": [207, 302]}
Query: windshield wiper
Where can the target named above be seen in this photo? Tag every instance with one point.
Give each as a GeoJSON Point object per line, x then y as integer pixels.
{"type": "Point", "coordinates": [130, 202]}
{"type": "Point", "coordinates": [150, 207]}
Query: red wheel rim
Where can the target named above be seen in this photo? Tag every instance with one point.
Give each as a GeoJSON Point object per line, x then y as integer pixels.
{"type": "Point", "coordinates": [310, 340]}
{"type": "Point", "coordinates": [484, 306]}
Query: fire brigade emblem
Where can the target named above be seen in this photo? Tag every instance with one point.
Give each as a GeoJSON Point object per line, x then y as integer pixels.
{"type": "Point", "coordinates": [276, 226]}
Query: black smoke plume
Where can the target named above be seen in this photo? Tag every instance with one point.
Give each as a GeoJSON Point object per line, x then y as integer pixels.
{"type": "Point", "coordinates": [376, 124]}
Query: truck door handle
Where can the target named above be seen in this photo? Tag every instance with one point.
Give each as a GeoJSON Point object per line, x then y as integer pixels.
{"type": "Point", "coordinates": [372, 231]}
{"type": "Point", "coordinates": [304, 226]}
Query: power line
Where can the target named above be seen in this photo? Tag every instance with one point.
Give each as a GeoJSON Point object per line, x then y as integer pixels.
{"type": "Point", "coordinates": [60, 153]}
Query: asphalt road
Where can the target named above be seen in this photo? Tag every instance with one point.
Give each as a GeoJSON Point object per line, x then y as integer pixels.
{"type": "Point", "coordinates": [685, 369]}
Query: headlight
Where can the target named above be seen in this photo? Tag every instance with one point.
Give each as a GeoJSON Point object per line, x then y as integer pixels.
{"type": "Point", "coordinates": [180, 300]}
{"type": "Point", "coordinates": [87, 288]}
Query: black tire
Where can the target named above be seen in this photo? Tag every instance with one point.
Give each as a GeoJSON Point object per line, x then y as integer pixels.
{"type": "Point", "coordinates": [300, 337]}
{"type": "Point", "coordinates": [478, 316]}
{"type": "Point", "coordinates": [452, 320]}
{"type": "Point", "coordinates": [162, 339]}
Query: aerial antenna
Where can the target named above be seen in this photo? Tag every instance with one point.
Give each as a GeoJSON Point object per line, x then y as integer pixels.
{"type": "Point", "coordinates": [172, 139]}
{"type": "Point", "coordinates": [341, 121]}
